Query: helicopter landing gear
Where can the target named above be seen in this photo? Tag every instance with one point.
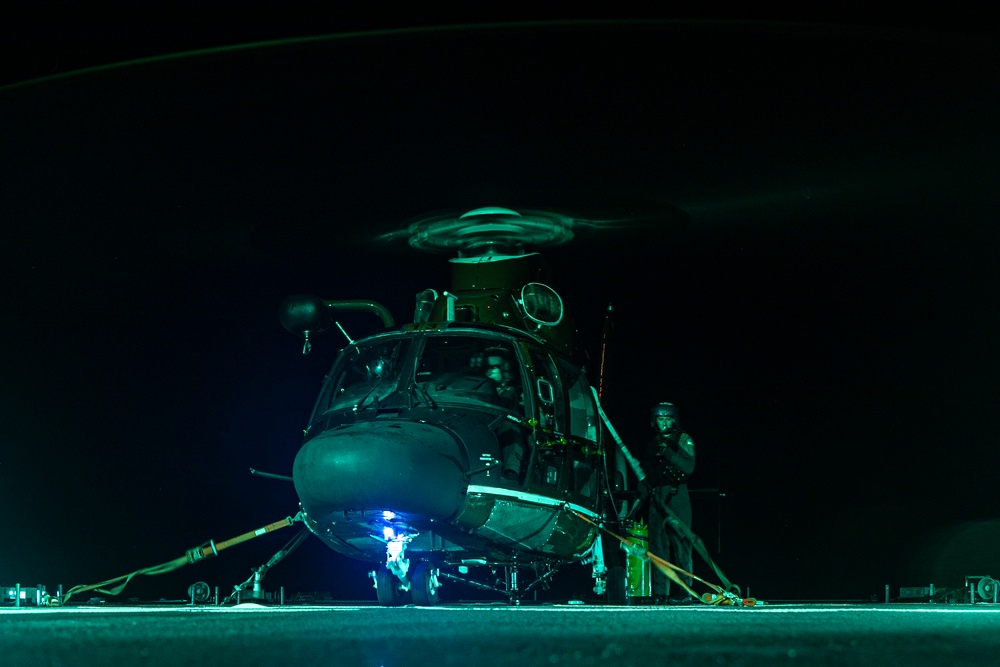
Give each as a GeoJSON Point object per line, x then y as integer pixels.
{"type": "Point", "coordinates": [616, 592]}
{"type": "Point", "coordinates": [425, 584]}
{"type": "Point", "coordinates": [513, 597]}
{"type": "Point", "coordinates": [388, 588]}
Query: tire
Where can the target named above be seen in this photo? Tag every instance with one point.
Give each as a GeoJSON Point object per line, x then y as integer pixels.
{"type": "Point", "coordinates": [424, 585]}
{"type": "Point", "coordinates": [387, 588]}
{"type": "Point", "coordinates": [616, 586]}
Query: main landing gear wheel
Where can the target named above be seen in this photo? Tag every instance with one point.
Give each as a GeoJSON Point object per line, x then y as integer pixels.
{"type": "Point", "coordinates": [616, 586]}
{"type": "Point", "coordinates": [425, 585]}
{"type": "Point", "coordinates": [388, 589]}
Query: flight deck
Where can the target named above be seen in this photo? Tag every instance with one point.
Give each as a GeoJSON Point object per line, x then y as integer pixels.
{"type": "Point", "coordinates": [498, 634]}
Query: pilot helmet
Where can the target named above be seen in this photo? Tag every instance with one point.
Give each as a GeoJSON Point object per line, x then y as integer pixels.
{"type": "Point", "coordinates": [664, 409]}
{"type": "Point", "coordinates": [495, 358]}
{"type": "Point", "coordinates": [378, 368]}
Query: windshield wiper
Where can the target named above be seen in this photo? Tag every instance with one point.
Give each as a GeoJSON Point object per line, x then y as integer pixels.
{"type": "Point", "coordinates": [415, 388]}
{"type": "Point", "coordinates": [360, 405]}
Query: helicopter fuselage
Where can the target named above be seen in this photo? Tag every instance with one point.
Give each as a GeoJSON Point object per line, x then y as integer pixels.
{"type": "Point", "coordinates": [468, 437]}
{"type": "Point", "coordinates": [412, 442]}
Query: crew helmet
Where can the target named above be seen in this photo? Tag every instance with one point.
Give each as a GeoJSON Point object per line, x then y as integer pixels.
{"type": "Point", "coordinates": [664, 409]}
{"type": "Point", "coordinates": [378, 368]}
{"type": "Point", "coordinates": [494, 357]}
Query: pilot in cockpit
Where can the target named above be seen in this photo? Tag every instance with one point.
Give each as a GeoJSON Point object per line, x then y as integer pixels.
{"type": "Point", "coordinates": [497, 367]}
{"type": "Point", "coordinates": [496, 361]}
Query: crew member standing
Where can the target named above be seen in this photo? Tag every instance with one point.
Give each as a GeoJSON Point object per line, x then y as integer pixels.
{"type": "Point", "coordinates": [668, 462]}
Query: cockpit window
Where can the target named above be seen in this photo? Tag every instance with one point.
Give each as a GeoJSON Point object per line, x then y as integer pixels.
{"type": "Point", "coordinates": [582, 410]}
{"type": "Point", "coordinates": [471, 370]}
{"type": "Point", "coordinates": [366, 374]}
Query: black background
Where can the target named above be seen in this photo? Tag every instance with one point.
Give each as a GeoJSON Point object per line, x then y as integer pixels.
{"type": "Point", "coordinates": [796, 228]}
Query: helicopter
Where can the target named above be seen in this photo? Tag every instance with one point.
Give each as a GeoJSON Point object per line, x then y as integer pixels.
{"type": "Point", "coordinates": [469, 437]}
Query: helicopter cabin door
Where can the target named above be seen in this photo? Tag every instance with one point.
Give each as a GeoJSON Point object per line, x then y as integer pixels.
{"type": "Point", "coordinates": [567, 450]}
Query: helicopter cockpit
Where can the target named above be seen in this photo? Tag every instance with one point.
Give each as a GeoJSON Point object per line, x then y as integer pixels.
{"type": "Point", "coordinates": [404, 370]}
{"type": "Point", "coordinates": [365, 376]}
{"type": "Point", "coordinates": [471, 370]}
{"type": "Point", "coordinates": [536, 403]}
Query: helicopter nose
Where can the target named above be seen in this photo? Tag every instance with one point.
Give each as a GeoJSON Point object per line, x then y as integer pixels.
{"type": "Point", "coordinates": [409, 467]}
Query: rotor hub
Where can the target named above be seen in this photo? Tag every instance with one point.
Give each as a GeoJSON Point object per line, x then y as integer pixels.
{"type": "Point", "coordinates": [491, 231]}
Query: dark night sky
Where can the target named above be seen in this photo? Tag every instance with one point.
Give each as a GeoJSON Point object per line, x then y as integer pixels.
{"type": "Point", "coordinates": [807, 268]}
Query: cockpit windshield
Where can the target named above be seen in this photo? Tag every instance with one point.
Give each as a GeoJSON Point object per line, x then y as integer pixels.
{"type": "Point", "coordinates": [471, 369]}
{"type": "Point", "coordinates": [365, 375]}
{"type": "Point", "coordinates": [402, 370]}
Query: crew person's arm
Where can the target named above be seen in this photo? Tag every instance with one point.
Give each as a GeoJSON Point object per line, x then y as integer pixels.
{"type": "Point", "coordinates": [680, 465]}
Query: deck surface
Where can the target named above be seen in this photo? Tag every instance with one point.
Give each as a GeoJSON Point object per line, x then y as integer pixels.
{"type": "Point", "coordinates": [488, 634]}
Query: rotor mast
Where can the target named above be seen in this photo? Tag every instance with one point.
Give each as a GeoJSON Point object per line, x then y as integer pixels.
{"type": "Point", "coordinates": [494, 278]}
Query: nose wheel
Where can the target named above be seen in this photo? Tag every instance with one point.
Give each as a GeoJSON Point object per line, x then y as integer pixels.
{"type": "Point", "coordinates": [424, 584]}
{"type": "Point", "coordinates": [389, 589]}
